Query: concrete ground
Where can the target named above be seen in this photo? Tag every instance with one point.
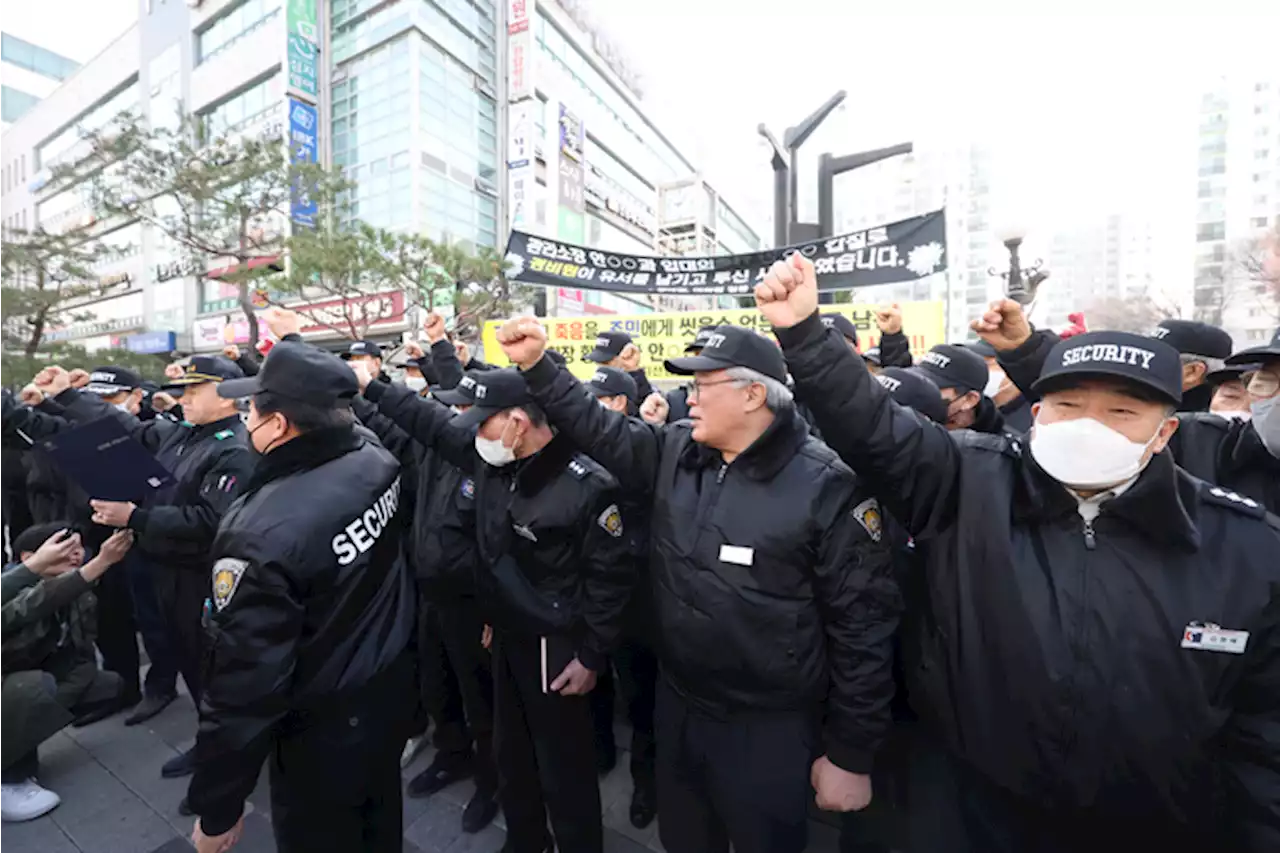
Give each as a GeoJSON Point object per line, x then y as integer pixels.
{"type": "Point", "coordinates": [114, 800]}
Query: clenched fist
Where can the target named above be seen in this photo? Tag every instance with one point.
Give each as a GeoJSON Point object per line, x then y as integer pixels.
{"type": "Point", "coordinates": [78, 377]}
{"type": "Point", "coordinates": [232, 352]}
{"type": "Point", "coordinates": [434, 327]}
{"type": "Point", "coordinates": [31, 396]}
{"type": "Point", "coordinates": [889, 319]}
{"type": "Point", "coordinates": [413, 350]}
{"type": "Point", "coordinates": [162, 401]}
{"type": "Point", "coordinates": [629, 358]}
{"type": "Point", "coordinates": [174, 371]}
{"type": "Point", "coordinates": [282, 321]}
{"type": "Point", "coordinates": [52, 381]}
{"type": "Point", "coordinates": [1004, 326]}
{"type": "Point", "coordinates": [789, 292]}
{"type": "Point", "coordinates": [655, 409]}
{"type": "Point", "coordinates": [361, 370]}
{"type": "Point", "coordinates": [837, 789]}
{"type": "Point", "coordinates": [523, 340]}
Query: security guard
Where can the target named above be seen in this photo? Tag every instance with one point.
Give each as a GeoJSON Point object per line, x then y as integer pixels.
{"type": "Point", "coordinates": [961, 375]}
{"type": "Point", "coordinates": [555, 578]}
{"type": "Point", "coordinates": [308, 624]}
{"type": "Point", "coordinates": [1201, 349]}
{"type": "Point", "coordinates": [774, 601]}
{"type": "Point", "coordinates": [617, 349]}
{"type": "Point", "coordinates": [1104, 663]}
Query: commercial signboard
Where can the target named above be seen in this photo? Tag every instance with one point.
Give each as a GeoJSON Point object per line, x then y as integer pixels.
{"type": "Point", "coordinates": [521, 182]}
{"type": "Point", "coordinates": [151, 342]}
{"type": "Point", "coordinates": [303, 141]}
{"type": "Point", "coordinates": [302, 48]}
{"type": "Point", "coordinates": [519, 50]}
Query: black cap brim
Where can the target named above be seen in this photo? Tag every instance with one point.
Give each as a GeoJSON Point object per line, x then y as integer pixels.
{"type": "Point", "coordinates": [1064, 379]}
{"type": "Point", "coordinates": [450, 396]}
{"type": "Point", "coordinates": [600, 356]}
{"type": "Point", "coordinates": [474, 416]}
{"type": "Point", "coordinates": [102, 389]}
{"type": "Point", "coordinates": [1254, 355]}
{"type": "Point", "coordinates": [696, 364]}
{"type": "Point", "coordinates": [234, 389]}
{"type": "Point", "coordinates": [600, 390]}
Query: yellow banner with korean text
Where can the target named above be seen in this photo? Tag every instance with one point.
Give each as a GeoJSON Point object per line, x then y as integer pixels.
{"type": "Point", "coordinates": [664, 336]}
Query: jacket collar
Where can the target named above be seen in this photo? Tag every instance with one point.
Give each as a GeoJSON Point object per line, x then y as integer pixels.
{"type": "Point", "coordinates": [544, 466]}
{"type": "Point", "coordinates": [988, 417]}
{"type": "Point", "coordinates": [201, 430]}
{"type": "Point", "coordinates": [766, 456]}
{"type": "Point", "coordinates": [307, 451]}
{"type": "Point", "coordinates": [1161, 504]}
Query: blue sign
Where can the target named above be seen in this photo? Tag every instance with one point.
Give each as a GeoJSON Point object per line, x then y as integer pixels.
{"type": "Point", "coordinates": [151, 342]}
{"type": "Point", "coordinates": [303, 121]}
{"type": "Point", "coordinates": [302, 66]}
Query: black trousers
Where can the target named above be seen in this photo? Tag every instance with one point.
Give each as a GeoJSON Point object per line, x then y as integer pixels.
{"type": "Point", "coordinates": [637, 669]}
{"type": "Point", "coordinates": [460, 629]}
{"type": "Point", "coordinates": [335, 780]}
{"type": "Point", "coordinates": [117, 639]}
{"type": "Point", "coordinates": [181, 594]}
{"type": "Point", "coordinates": [546, 755]}
{"type": "Point", "coordinates": [162, 676]}
{"type": "Point", "coordinates": [439, 694]}
{"type": "Point", "coordinates": [741, 781]}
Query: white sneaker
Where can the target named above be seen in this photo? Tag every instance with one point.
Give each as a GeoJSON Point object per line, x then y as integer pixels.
{"type": "Point", "coordinates": [412, 747]}
{"type": "Point", "coordinates": [26, 801]}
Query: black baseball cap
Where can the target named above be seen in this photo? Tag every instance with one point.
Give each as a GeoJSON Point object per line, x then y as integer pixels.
{"type": "Point", "coordinates": [841, 324]}
{"type": "Point", "coordinates": [910, 387]}
{"type": "Point", "coordinates": [872, 355]}
{"type": "Point", "coordinates": [1194, 338]}
{"type": "Point", "coordinates": [206, 368]}
{"type": "Point", "coordinates": [1146, 361]}
{"type": "Point", "coordinates": [700, 340]}
{"type": "Point", "coordinates": [112, 380]}
{"type": "Point", "coordinates": [1266, 352]}
{"type": "Point", "coordinates": [300, 372]}
{"type": "Point", "coordinates": [493, 391]}
{"type": "Point", "coordinates": [952, 366]}
{"type": "Point", "coordinates": [361, 348]}
{"type": "Point", "coordinates": [609, 345]}
{"type": "Point", "coordinates": [981, 347]}
{"type": "Point", "coordinates": [1231, 373]}
{"type": "Point", "coordinates": [612, 382]}
{"type": "Point", "coordinates": [733, 346]}
{"type": "Point", "coordinates": [462, 394]}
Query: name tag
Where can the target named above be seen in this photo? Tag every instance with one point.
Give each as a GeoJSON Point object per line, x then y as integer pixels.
{"type": "Point", "coordinates": [1211, 638]}
{"type": "Point", "coordinates": [737, 555]}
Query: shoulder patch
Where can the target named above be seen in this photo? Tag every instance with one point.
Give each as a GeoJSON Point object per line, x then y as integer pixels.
{"type": "Point", "coordinates": [1226, 497]}
{"type": "Point", "coordinates": [226, 579]}
{"type": "Point", "coordinates": [225, 433]}
{"type": "Point", "coordinates": [867, 514]}
{"type": "Point", "coordinates": [611, 521]}
{"type": "Point", "coordinates": [577, 469]}
{"type": "Point", "coordinates": [467, 488]}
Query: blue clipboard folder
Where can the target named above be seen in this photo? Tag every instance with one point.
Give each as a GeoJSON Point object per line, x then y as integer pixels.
{"type": "Point", "coordinates": [108, 463]}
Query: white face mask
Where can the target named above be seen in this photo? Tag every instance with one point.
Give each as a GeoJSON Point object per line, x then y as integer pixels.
{"type": "Point", "coordinates": [1266, 420]}
{"type": "Point", "coordinates": [995, 380]}
{"type": "Point", "coordinates": [1086, 454]}
{"type": "Point", "coordinates": [1235, 415]}
{"type": "Point", "coordinates": [124, 407]}
{"type": "Point", "coordinates": [415, 383]}
{"type": "Point", "coordinates": [493, 451]}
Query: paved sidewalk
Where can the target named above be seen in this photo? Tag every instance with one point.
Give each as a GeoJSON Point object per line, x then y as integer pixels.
{"type": "Point", "coordinates": [114, 801]}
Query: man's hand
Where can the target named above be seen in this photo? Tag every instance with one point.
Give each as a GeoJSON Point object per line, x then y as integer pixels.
{"type": "Point", "coordinates": [174, 371]}
{"type": "Point", "coordinates": [282, 321]}
{"type": "Point", "coordinates": [53, 557]}
{"type": "Point", "coordinates": [111, 552]}
{"type": "Point", "coordinates": [524, 340]}
{"type": "Point", "coordinates": [162, 401]}
{"type": "Point", "coordinates": [52, 381]}
{"type": "Point", "coordinates": [216, 843]}
{"type": "Point", "coordinates": [839, 790]}
{"type": "Point", "coordinates": [576, 680]}
{"type": "Point", "coordinates": [31, 396]}
{"type": "Point", "coordinates": [232, 352]}
{"type": "Point", "coordinates": [789, 292]}
{"type": "Point", "coordinates": [889, 319]}
{"type": "Point", "coordinates": [78, 377]}
{"type": "Point", "coordinates": [463, 353]}
{"type": "Point", "coordinates": [434, 327]}
{"type": "Point", "coordinates": [630, 358]}
{"type": "Point", "coordinates": [112, 513]}
{"type": "Point", "coordinates": [655, 409]}
{"type": "Point", "coordinates": [486, 636]}
{"type": "Point", "coordinates": [1004, 326]}
{"type": "Point", "coordinates": [361, 370]}
{"type": "Point", "coordinates": [414, 350]}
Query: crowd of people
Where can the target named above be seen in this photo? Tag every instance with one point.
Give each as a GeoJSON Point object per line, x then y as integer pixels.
{"type": "Point", "coordinates": [1020, 595]}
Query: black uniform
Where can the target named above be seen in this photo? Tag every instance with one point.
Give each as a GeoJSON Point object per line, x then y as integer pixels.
{"type": "Point", "coordinates": [774, 604]}
{"type": "Point", "coordinates": [554, 569]}
{"type": "Point", "coordinates": [1229, 453]}
{"type": "Point", "coordinates": [312, 614]}
{"type": "Point", "coordinates": [1066, 665]}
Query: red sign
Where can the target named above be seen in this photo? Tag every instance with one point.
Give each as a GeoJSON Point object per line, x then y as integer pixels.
{"type": "Point", "coordinates": [518, 20]}
{"type": "Point", "coordinates": [569, 299]}
{"type": "Point", "coordinates": [362, 313]}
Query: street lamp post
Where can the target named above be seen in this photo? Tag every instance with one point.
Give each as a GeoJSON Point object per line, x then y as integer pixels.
{"type": "Point", "coordinates": [829, 166]}
{"type": "Point", "coordinates": [785, 166]}
{"type": "Point", "coordinates": [1020, 284]}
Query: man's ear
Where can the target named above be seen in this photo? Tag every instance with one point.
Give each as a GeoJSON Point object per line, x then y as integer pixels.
{"type": "Point", "coordinates": [1035, 409]}
{"type": "Point", "coordinates": [971, 400]}
{"type": "Point", "coordinates": [756, 396]}
{"type": "Point", "coordinates": [1165, 433]}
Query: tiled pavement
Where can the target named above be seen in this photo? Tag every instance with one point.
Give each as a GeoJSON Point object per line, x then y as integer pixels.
{"type": "Point", "coordinates": [114, 800]}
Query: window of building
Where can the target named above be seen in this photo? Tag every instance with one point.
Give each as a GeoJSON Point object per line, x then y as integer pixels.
{"type": "Point", "coordinates": [251, 107]}
{"type": "Point", "coordinates": [1258, 222]}
{"type": "Point", "coordinates": [14, 103]}
{"type": "Point", "coordinates": [232, 26]}
{"type": "Point", "coordinates": [1262, 154]}
{"type": "Point", "coordinates": [1211, 231]}
{"type": "Point", "coordinates": [33, 58]}
{"type": "Point", "coordinates": [66, 145]}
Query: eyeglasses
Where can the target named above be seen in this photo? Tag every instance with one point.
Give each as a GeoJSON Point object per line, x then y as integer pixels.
{"type": "Point", "coordinates": [695, 387]}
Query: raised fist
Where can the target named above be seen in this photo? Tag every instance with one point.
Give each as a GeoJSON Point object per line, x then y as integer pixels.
{"type": "Point", "coordinates": [655, 409]}
{"type": "Point", "coordinates": [31, 396]}
{"type": "Point", "coordinates": [434, 327]}
{"type": "Point", "coordinates": [78, 377]}
{"type": "Point", "coordinates": [630, 358]}
{"type": "Point", "coordinates": [463, 353]}
{"type": "Point", "coordinates": [173, 371]}
{"type": "Point", "coordinates": [232, 352]}
{"type": "Point", "coordinates": [789, 292]}
{"type": "Point", "coordinates": [413, 350]}
{"type": "Point", "coordinates": [162, 401]}
{"type": "Point", "coordinates": [889, 319]}
{"type": "Point", "coordinates": [361, 370]}
{"type": "Point", "coordinates": [52, 381]}
{"type": "Point", "coordinates": [523, 340]}
{"type": "Point", "coordinates": [1004, 326]}
{"type": "Point", "coordinates": [282, 321]}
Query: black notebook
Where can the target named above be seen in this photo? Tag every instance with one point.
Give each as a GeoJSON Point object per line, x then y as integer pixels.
{"type": "Point", "coordinates": [108, 463]}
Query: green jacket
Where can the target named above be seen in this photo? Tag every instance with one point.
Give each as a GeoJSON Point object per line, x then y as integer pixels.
{"type": "Point", "coordinates": [42, 614]}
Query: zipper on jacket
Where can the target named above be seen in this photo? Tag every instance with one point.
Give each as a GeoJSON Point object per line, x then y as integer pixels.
{"type": "Point", "coordinates": [1090, 541]}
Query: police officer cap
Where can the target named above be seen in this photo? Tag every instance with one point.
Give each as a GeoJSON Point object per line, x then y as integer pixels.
{"type": "Point", "coordinates": [358, 348]}
{"type": "Point", "coordinates": [1194, 338]}
{"type": "Point", "coordinates": [910, 387]}
{"type": "Point", "coordinates": [612, 382]}
{"type": "Point", "coordinates": [952, 366]}
{"type": "Point", "coordinates": [700, 340]}
{"type": "Point", "coordinates": [462, 394]}
{"type": "Point", "coordinates": [205, 368]}
{"type": "Point", "coordinates": [1266, 352]}
{"type": "Point", "coordinates": [609, 345]}
{"type": "Point", "coordinates": [493, 391]}
{"type": "Point", "coordinates": [841, 324]}
{"type": "Point", "coordinates": [733, 346]}
{"type": "Point", "coordinates": [1145, 361]}
{"type": "Point", "coordinates": [299, 372]}
{"type": "Point", "coordinates": [112, 380]}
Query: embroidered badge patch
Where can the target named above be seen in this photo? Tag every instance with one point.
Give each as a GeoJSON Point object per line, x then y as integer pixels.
{"type": "Point", "coordinates": [226, 579]}
{"type": "Point", "coordinates": [611, 521]}
{"type": "Point", "coordinates": [867, 514]}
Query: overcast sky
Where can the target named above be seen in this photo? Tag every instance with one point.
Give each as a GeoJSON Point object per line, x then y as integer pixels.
{"type": "Point", "coordinates": [1089, 113]}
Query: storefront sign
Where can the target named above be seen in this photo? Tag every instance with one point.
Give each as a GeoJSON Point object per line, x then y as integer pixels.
{"type": "Point", "coordinates": [174, 269]}
{"type": "Point", "coordinates": [572, 134]}
{"type": "Point", "coordinates": [570, 300]}
{"type": "Point", "coordinates": [217, 332]}
{"type": "Point", "coordinates": [519, 50]}
{"type": "Point", "coordinates": [339, 315]}
{"type": "Point", "coordinates": [151, 342]}
{"type": "Point", "coordinates": [112, 280]}
{"type": "Point", "coordinates": [521, 182]}
{"type": "Point", "coordinates": [302, 47]}
{"type": "Point", "coordinates": [93, 328]}
{"type": "Point", "coordinates": [519, 13]}
{"type": "Point", "coordinates": [302, 149]}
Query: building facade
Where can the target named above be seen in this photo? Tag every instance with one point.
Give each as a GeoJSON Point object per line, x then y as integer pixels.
{"type": "Point", "coordinates": [30, 73]}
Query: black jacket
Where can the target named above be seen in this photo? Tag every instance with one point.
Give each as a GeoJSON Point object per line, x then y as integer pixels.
{"type": "Point", "coordinates": [312, 600]}
{"type": "Point", "coordinates": [210, 464]}
{"type": "Point", "coordinates": [895, 350]}
{"type": "Point", "coordinates": [769, 592]}
{"type": "Point", "coordinates": [1054, 663]}
{"type": "Point", "coordinates": [553, 552]}
{"type": "Point", "coordinates": [1229, 453]}
{"type": "Point", "coordinates": [1197, 399]}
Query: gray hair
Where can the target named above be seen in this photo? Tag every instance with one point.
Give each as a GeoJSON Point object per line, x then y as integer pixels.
{"type": "Point", "coordinates": [777, 396]}
{"type": "Point", "coordinates": [1210, 363]}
